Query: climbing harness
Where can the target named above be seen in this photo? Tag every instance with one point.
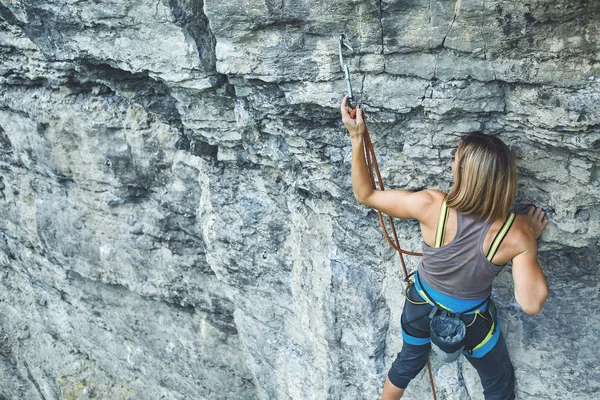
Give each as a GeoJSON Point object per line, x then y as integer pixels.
{"type": "Point", "coordinates": [377, 183]}
{"type": "Point", "coordinates": [447, 335]}
{"type": "Point", "coordinates": [447, 329]}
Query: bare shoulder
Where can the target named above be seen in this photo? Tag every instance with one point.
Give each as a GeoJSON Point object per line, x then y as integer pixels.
{"type": "Point", "coordinates": [402, 203]}
{"type": "Point", "coordinates": [430, 203]}
{"type": "Point", "coordinates": [431, 200]}
{"type": "Point", "coordinates": [521, 236]}
{"type": "Point", "coordinates": [422, 205]}
{"type": "Point", "coordinates": [435, 195]}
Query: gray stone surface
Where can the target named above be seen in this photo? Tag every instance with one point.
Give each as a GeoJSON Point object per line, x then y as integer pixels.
{"type": "Point", "coordinates": [177, 220]}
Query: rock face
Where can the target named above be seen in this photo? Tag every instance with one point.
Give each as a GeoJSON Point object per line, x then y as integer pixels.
{"type": "Point", "coordinates": [177, 219]}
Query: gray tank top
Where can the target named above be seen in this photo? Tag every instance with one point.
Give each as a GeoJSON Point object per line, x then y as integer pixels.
{"type": "Point", "coordinates": [460, 269]}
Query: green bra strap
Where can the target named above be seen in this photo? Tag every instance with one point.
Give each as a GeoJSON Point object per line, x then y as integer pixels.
{"type": "Point", "coordinates": [500, 237]}
{"type": "Point", "coordinates": [441, 228]}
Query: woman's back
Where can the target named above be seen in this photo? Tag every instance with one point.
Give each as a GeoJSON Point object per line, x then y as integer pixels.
{"type": "Point", "coordinates": [460, 268]}
{"type": "Point", "coordinates": [518, 246]}
{"type": "Point", "coordinates": [510, 247]}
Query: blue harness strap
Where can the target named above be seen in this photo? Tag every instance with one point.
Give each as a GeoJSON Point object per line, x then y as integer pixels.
{"type": "Point", "coordinates": [449, 303]}
{"type": "Point", "coordinates": [486, 346]}
{"type": "Point", "coordinates": [452, 305]}
{"type": "Point", "coordinates": [415, 341]}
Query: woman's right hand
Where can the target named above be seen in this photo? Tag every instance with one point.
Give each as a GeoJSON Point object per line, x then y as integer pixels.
{"type": "Point", "coordinates": [356, 127]}
{"type": "Point", "coordinates": [538, 219]}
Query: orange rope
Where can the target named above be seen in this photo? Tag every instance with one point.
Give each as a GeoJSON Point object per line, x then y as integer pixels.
{"type": "Point", "coordinates": [373, 167]}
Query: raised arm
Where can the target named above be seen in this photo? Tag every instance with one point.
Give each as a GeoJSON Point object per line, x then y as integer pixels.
{"type": "Point", "coordinates": [396, 203]}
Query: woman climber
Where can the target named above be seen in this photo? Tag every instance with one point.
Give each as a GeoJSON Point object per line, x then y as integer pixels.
{"type": "Point", "coordinates": [469, 234]}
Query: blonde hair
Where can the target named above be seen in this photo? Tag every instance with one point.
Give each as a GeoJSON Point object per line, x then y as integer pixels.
{"type": "Point", "coordinates": [486, 178]}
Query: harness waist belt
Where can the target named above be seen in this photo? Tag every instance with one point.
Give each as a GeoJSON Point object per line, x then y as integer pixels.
{"type": "Point", "coordinates": [449, 303]}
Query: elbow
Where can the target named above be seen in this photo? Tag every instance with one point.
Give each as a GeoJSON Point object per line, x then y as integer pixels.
{"type": "Point", "coordinates": [358, 198]}
{"type": "Point", "coordinates": [361, 198]}
{"type": "Point", "coordinates": [532, 309]}
{"type": "Point", "coordinates": [534, 305]}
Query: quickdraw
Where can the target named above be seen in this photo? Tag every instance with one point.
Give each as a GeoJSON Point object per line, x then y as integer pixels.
{"type": "Point", "coordinates": [377, 183]}
{"type": "Point", "coordinates": [344, 43]}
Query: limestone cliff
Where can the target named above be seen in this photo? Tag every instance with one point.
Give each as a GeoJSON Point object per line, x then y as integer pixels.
{"type": "Point", "coordinates": [176, 215]}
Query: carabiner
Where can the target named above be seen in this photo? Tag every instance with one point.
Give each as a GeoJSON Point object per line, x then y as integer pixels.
{"type": "Point", "coordinates": [345, 43]}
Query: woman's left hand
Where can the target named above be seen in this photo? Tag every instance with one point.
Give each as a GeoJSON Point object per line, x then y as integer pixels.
{"type": "Point", "coordinates": [538, 219]}
{"type": "Point", "coordinates": [356, 127]}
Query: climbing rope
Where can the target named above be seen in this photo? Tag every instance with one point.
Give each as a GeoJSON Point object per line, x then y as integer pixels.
{"type": "Point", "coordinates": [377, 183]}
{"type": "Point", "coordinates": [395, 243]}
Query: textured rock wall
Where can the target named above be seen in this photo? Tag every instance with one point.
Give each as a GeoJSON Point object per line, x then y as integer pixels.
{"type": "Point", "coordinates": [177, 220]}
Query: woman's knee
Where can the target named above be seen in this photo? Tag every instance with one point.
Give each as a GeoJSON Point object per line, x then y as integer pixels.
{"type": "Point", "coordinates": [409, 362]}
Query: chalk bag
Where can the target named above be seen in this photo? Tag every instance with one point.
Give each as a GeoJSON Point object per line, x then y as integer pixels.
{"type": "Point", "coordinates": [447, 335]}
